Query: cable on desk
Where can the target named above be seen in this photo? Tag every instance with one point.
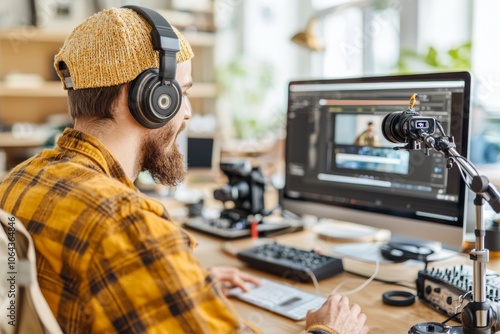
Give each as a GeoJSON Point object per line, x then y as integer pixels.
{"type": "Point", "coordinates": [314, 280]}
{"type": "Point", "coordinates": [361, 286]}
{"type": "Point", "coordinates": [290, 229]}
{"type": "Point", "coordinates": [325, 247]}
{"type": "Point", "coordinates": [451, 318]}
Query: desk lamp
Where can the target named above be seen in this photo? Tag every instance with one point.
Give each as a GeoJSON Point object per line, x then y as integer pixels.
{"type": "Point", "coordinates": [308, 39]}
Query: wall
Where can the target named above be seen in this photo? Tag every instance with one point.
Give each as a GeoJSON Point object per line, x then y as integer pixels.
{"type": "Point", "coordinates": [258, 33]}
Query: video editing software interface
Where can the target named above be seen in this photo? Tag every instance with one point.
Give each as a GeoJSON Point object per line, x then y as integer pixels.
{"type": "Point", "coordinates": [336, 153]}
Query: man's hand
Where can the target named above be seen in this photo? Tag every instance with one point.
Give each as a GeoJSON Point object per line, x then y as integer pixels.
{"type": "Point", "coordinates": [230, 277]}
{"type": "Point", "coordinates": [337, 315]}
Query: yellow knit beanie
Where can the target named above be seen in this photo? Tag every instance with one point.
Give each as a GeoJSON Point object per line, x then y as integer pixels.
{"type": "Point", "coordinates": [110, 48]}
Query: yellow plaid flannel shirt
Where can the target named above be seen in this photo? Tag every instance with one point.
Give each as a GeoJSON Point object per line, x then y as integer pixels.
{"type": "Point", "coordinates": [108, 258]}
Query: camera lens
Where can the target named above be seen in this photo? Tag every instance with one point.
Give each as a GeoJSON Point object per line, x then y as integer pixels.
{"type": "Point", "coordinates": [223, 194]}
{"type": "Point", "coordinates": [393, 126]}
{"type": "Point", "coordinates": [239, 191]}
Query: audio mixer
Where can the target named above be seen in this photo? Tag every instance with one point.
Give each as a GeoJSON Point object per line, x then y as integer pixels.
{"type": "Point", "coordinates": [449, 290]}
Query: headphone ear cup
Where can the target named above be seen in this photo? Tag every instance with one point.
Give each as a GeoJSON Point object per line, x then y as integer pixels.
{"type": "Point", "coordinates": [151, 103]}
{"type": "Point", "coordinates": [402, 252]}
{"type": "Point", "coordinates": [392, 254]}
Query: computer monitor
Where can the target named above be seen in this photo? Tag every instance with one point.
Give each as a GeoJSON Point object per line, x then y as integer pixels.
{"type": "Point", "coordinates": [339, 165]}
{"type": "Point", "coordinates": [202, 154]}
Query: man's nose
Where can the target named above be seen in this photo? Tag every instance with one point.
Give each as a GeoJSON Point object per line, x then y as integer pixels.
{"type": "Point", "coordinates": [187, 107]}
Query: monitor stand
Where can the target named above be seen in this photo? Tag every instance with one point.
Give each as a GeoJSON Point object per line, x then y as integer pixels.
{"type": "Point", "coordinates": [370, 251]}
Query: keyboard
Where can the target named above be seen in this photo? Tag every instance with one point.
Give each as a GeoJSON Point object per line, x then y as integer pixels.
{"type": "Point", "coordinates": [226, 229]}
{"type": "Point", "coordinates": [280, 298]}
{"type": "Point", "coordinates": [291, 263]}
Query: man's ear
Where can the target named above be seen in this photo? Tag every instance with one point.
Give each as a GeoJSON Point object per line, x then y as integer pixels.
{"type": "Point", "coordinates": [121, 104]}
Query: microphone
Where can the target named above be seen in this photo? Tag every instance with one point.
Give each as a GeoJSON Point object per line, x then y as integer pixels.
{"type": "Point", "coordinates": [402, 126]}
{"type": "Point", "coordinates": [407, 126]}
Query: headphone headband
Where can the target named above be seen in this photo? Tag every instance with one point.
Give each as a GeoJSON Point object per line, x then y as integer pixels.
{"type": "Point", "coordinates": [164, 40]}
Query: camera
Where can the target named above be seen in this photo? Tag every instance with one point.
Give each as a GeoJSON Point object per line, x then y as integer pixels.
{"type": "Point", "coordinates": [403, 126]}
{"type": "Point", "coordinates": [245, 188]}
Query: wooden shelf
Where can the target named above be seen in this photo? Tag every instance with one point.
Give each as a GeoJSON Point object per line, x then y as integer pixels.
{"type": "Point", "coordinates": [36, 139]}
{"type": "Point", "coordinates": [203, 90]}
{"type": "Point", "coordinates": [21, 35]}
{"type": "Point", "coordinates": [55, 89]}
{"type": "Point", "coordinates": [46, 89]}
{"type": "Point", "coordinates": [31, 50]}
{"type": "Point", "coordinates": [27, 34]}
{"type": "Point", "coordinates": [200, 39]}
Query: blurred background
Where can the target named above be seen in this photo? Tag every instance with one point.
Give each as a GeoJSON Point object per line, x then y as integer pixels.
{"type": "Point", "coordinates": [246, 53]}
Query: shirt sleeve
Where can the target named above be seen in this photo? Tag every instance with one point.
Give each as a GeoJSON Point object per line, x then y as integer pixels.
{"type": "Point", "coordinates": [319, 329]}
{"type": "Point", "coordinates": [144, 278]}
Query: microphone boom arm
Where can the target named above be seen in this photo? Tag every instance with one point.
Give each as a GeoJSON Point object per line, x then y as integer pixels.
{"type": "Point", "coordinates": [478, 316]}
{"type": "Point", "coordinates": [479, 183]}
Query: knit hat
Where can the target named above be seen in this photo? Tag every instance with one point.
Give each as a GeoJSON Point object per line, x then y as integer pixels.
{"type": "Point", "coordinates": [110, 48]}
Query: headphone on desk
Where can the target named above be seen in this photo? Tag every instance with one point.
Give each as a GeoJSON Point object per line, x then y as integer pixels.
{"type": "Point", "coordinates": [155, 96]}
{"type": "Point", "coordinates": [400, 252]}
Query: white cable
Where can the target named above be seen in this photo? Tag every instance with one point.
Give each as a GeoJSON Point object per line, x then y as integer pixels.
{"type": "Point", "coordinates": [314, 280]}
{"type": "Point", "coordinates": [360, 287]}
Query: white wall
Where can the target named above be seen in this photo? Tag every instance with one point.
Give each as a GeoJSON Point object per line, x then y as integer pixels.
{"type": "Point", "coordinates": [261, 30]}
{"type": "Point", "coordinates": [486, 53]}
{"type": "Point", "coordinates": [443, 24]}
{"type": "Point", "coordinates": [14, 13]}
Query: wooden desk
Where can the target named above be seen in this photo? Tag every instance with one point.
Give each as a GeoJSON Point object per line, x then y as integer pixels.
{"type": "Point", "coordinates": [381, 318]}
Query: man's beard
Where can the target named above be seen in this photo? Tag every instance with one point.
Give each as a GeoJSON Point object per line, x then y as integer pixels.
{"type": "Point", "coordinates": [165, 166]}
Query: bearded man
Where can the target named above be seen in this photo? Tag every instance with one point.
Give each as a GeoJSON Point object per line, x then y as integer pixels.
{"type": "Point", "coordinates": [109, 258]}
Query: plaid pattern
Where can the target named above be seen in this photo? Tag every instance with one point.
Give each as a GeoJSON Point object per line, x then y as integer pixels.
{"type": "Point", "coordinates": [108, 258]}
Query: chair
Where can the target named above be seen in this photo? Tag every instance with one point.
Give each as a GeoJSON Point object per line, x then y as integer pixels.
{"type": "Point", "coordinates": [20, 295]}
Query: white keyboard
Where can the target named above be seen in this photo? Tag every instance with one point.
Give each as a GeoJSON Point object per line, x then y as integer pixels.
{"type": "Point", "coordinates": [280, 298]}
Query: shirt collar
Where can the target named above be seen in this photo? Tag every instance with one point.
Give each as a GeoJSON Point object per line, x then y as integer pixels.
{"type": "Point", "coordinates": [96, 151]}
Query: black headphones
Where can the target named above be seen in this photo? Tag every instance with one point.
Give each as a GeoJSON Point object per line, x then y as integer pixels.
{"type": "Point", "coordinates": [155, 96]}
{"type": "Point", "coordinates": [400, 252]}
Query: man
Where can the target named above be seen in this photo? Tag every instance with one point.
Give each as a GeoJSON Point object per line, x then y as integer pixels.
{"type": "Point", "coordinates": [368, 137]}
{"type": "Point", "coordinates": [109, 259]}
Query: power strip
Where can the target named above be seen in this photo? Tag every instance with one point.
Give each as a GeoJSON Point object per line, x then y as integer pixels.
{"type": "Point", "coordinates": [449, 290]}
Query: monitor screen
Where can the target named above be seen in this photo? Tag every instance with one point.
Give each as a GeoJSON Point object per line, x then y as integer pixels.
{"type": "Point", "coordinates": [339, 165]}
{"type": "Point", "coordinates": [200, 152]}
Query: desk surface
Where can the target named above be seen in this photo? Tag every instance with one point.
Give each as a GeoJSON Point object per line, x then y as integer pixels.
{"type": "Point", "coordinates": [381, 318]}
